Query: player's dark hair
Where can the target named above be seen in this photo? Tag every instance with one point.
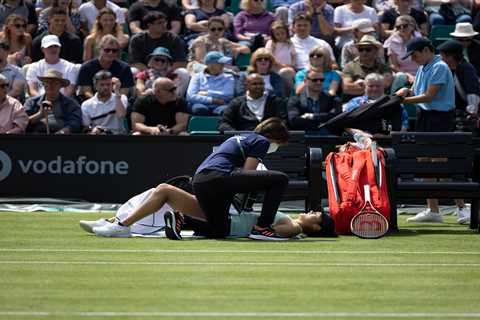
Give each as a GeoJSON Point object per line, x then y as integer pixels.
{"type": "Point", "coordinates": [274, 129]}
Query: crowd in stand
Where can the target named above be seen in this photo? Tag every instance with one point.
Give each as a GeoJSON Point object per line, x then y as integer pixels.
{"type": "Point", "coordinates": [143, 67]}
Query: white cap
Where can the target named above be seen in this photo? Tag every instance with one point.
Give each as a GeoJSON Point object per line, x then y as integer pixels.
{"type": "Point", "coordinates": [50, 40]}
{"type": "Point", "coordinates": [364, 25]}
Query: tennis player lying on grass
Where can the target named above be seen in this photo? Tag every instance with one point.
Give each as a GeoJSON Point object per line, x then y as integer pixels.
{"type": "Point", "coordinates": [168, 201]}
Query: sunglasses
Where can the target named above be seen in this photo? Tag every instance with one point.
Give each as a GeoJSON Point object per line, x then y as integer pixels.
{"type": "Point", "coordinates": [258, 0]}
{"type": "Point", "coordinates": [3, 85]}
{"type": "Point", "coordinates": [216, 29]}
{"type": "Point", "coordinates": [316, 79]}
{"type": "Point", "coordinates": [171, 90]}
{"type": "Point", "coordinates": [162, 60]}
{"type": "Point", "coordinates": [20, 26]}
{"type": "Point", "coordinates": [402, 26]}
{"type": "Point", "coordinates": [263, 59]}
{"type": "Point", "coordinates": [365, 49]}
{"type": "Point", "coordinates": [464, 39]}
{"type": "Point", "coordinates": [316, 55]}
{"type": "Point", "coordinates": [108, 50]}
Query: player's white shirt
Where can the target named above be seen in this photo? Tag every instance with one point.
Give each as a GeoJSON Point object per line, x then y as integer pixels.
{"type": "Point", "coordinates": [150, 223]}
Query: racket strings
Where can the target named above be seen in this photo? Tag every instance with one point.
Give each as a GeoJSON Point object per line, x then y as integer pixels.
{"type": "Point", "coordinates": [369, 225]}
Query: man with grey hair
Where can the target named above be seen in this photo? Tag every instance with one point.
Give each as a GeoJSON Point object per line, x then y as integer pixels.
{"type": "Point", "coordinates": [108, 59]}
{"type": "Point", "coordinates": [374, 90]}
{"type": "Point", "coordinates": [13, 118]}
{"type": "Point", "coordinates": [15, 79]}
{"type": "Point", "coordinates": [105, 112]}
{"type": "Point", "coordinates": [162, 113]}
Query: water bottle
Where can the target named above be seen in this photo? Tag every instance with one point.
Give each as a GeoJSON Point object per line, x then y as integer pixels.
{"type": "Point", "coordinates": [361, 140]}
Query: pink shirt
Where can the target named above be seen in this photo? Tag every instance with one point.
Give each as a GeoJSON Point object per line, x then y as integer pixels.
{"type": "Point", "coordinates": [396, 46]}
{"type": "Point", "coordinates": [284, 53]}
{"type": "Point", "coordinates": [13, 118]}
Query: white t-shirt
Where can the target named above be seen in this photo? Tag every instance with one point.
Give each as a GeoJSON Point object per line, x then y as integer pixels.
{"type": "Point", "coordinates": [36, 69]}
{"type": "Point", "coordinates": [344, 17]}
{"type": "Point", "coordinates": [89, 13]}
{"type": "Point", "coordinates": [94, 107]}
{"type": "Point", "coordinates": [150, 223]}
{"type": "Point", "coordinates": [303, 48]}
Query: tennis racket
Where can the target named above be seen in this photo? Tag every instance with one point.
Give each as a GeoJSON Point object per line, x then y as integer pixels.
{"type": "Point", "coordinates": [368, 223]}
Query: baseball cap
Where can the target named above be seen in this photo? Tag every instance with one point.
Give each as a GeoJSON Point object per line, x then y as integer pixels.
{"type": "Point", "coordinates": [160, 51]}
{"type": "Point", "coordinates": [416, 44]}
{"type": "Point", "coordinates": [216, 57]}
{"type": "Point", "coordinates": [451, 46]}
{"type": "Point", "coordinates": [50, 40]}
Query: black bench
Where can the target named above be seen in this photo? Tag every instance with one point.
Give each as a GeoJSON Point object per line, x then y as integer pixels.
{"type": "Point", "coordinates": [455, 155]}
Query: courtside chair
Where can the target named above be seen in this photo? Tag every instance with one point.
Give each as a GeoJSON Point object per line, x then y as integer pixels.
{"type": "Point", "coordinates": [203, 125]}
{"type": "Point", "coordinates": [440, 33]}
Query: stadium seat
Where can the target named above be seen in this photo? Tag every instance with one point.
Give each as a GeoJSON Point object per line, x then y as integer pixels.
{"type": "Point", "coordinates": [440, 34]}
{"type": "Point", "coordinates": [203, 125]}
{"type": "Point", "coordinates": [242, 61]}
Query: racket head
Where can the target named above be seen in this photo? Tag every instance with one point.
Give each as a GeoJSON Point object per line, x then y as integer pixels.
{"type": "Point", "coordinates": [368, 223]}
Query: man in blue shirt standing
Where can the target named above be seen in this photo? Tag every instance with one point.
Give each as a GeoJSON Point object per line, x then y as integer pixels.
{"type": "Point", "coordinates": [434, 94]}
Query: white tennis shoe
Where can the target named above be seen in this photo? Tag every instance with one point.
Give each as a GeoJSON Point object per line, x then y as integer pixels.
{"type": "Point", "coordinates": [112, 230]}
{"type": "Point", "coordinates": [88, 225]}
{"type": "Point", "coordinates": [426, 216]}
{"type": "Point", "coordinates": [463, 215]}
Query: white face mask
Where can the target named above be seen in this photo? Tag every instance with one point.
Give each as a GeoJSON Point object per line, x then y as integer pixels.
{"type": "Point", "coordinates": [273, 147]}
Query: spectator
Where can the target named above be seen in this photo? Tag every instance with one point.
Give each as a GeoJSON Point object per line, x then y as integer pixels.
{"type": "Point", "coordinates": [53, 111]}
{"type": "Point", "coordinates": [263, 63]}
{"type": "Point", "coordinates": [312, 107]}
{"type": "Point", "coordinates": [15, 79]}
{"type": "Point", "coordinates": [403, 8]}
{"type": "Point", "coordinates": [162, 113]}
{"type": "Point", "coordinates": [107, 60]}
{"type": "Point", "coordinates": [105, 24]}
{"type": "Point", "coordinates": [160, 65]}
{"type": "Point", "coordinates": [322, 17]}
{"type": "Point", "coordinates": [104, 113]}
{"type": "Point", "coordinates": [193, 4]}
{"type": "Point", "coordinates": [246, 112]}
{"type": "Point", "coordinates": [19, 41]}
{"type": "Point", "coordinates": [304, 42]}
{"type": "Point", "coordinates": [22, 8]}
{"type": "Point", "coordinates": [283, 50]}
{"type": "Point", "coordinates": [345, 16]}
{"type": "Point", "coordinates": [320, 61]}
{"type": "Point", "coordinates": [143, 43]}
{"type": "Point", "coordinates": [374, 90]}
{"type": "Point", "coordinates": [362, 27]}
{"type": "Point", "coordinates": [355, 72]}
{"type": "Point", "coordinates": [13, 118]}
{"type": "Point", "coordinates": [252, 24]}
{"type": "Point", "coordinates": [214, 40]}
{"type": "Point", "coordinates": [89, 11]}
{"type": "Point", "coordinates": [466, 35]}
{"type": "Point", "coordinates": [51, 50]}
{"type": "Point", "coordinates": [74, 20]}
{"type": "Point", "coordinates": [196, 20]}
{"type": "Point", "coordinates": [434, 94]}
{"type": "Point", "coordinates": [139, 9]}
{"type": "Point", "coordinates": [72, 48]}
{"type": "Point", "coordinates": [449, 12]}
{"type": "Point", "coordinates": [210, 91]}
{"type": "Point", "coordinates": [397, 48]}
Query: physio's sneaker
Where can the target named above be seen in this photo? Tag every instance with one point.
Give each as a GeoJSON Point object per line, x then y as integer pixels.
{"type": "Point", "coordinates": [88, 225]}
{"type": "Point", "coordinates": [426, 216]}
{"type": "Point", "coordinates": [173, 225]}
{"type": "Point", "coordinates": [266, 234]}
{"type": "Point", "coordinates": [463, 215]}
{"type": "Point", "coordinates": [112, 230]}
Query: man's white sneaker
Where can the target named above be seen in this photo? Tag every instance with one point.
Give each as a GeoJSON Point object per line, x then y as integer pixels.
{"type": "Point", "coordinates": [88, 225]}
{"type": "Point", "coordinates": [113, 230]}
{"type": "Point", "coordinates": [463, 215]}
{"type": "Point", "coordinates": [426, 216]}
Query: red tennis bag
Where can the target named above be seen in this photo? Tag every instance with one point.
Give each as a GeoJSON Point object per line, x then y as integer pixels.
{"type": "Point", "coordinates": [347, 172]}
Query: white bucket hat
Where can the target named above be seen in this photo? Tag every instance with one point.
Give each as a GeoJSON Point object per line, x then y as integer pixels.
{"type": "Point", "coordinates": [464, 30]}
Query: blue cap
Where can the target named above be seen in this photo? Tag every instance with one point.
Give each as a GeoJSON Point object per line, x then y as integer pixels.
{"type": "Point", "coordinates": [160, 51]}
{"type": "Point", "coordinates": [416, 44]}
{"type": "Point", "coordinates": [216, 57]}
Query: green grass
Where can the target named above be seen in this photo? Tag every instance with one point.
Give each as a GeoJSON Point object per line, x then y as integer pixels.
{"type": "Point", "coordinates": [51, 269]}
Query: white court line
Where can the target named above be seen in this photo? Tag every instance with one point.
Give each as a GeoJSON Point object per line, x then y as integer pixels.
{"type": "Point", "coordinates": [269, 264]}
{"type": "Point", "coordinates": [238, 251]}
{"type": "Point", "coordinates": [244, 314]}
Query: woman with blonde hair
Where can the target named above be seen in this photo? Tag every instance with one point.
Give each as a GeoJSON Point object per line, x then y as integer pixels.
{"type": "Point", "coordinates": [106, 23]}
{"type": "Point", "coordinates": [321, 61]}
{"type": "Point", "coordinates": [18, 39]}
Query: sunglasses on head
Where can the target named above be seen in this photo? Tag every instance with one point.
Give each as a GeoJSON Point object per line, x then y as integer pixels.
{"type": "Point", "coordinates": [316, 79]}
{"type": "Point", "coordinates": [365, 49]}
{"type": "Point", "coordinates": [216, 29]}
{"type": "Point", "coordinates": [112, 50]}
{"type": "Point", "coordinates": [20, 26]}
{"type": "Point", "coordinates": [316, 55]}
{"type": "Point", "coordinates": [402, 26]}
{"type": "Point", "coordinates": [158, 59]}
